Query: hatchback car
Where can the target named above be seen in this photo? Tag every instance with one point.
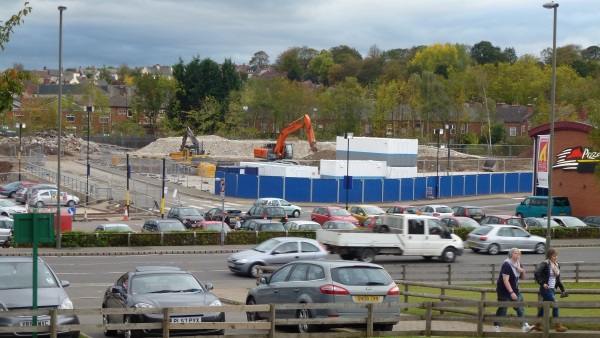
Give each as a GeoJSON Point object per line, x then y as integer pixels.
{"type": "Point", "coordinates": [503, 219]}
{"type": "Point", "coordinates": [186, 215]}
{"type": "Point", "coordinates": [32, 189]}
{"type": "Point", "coordinates": [569, 221]}
{"type": "Point", "coordinates": [593, 221]}
{"type": "Point", "coordinates": [324, 214]}
{"type": "Point", "coordinates": [161, 287]}
{"type": "Point", "coordinates": [302, 225]}
{"type": "Point", "coordinates": [436, 210]}
{"type": "Point", "coordinates": [262, 225]}
{"type": "Point", "coordinates": [275, 251]}
{"type": "Point", "coordinates": [371, 221]}
{"type": "Point", "coordinates": [500, 238]}
{"type": "Point", "coordinates": [21, 195]}
{"type": "Point", "coordinates": [7, 225]}
{"type": "Point", "coordinates": [16, 294]}
{"type": "Point", "coordinates": [470, 211]}
{"type": "Point", "coordinates": [290, 209]}
{"type": "Point", "coordinates": [306, 282]}
{"type": "Point", "coordinates": [114, 227]}
{"type": "Point", "coordinates": [214, 214]}
{"type": "Point", "coordinates": [162, 225]}
{"type": "Point", "coordinates": [42, 198]}
{"type": "Point", "coordinates": [212, 226]}
{"type": "Point", "coordinates": [339, 225]}
{"type": "Point", "coordinates": [459, 222]}
{"type": "Point", "coordinates": [540, 222]}
{"type": "Point", "coordinates": [10, 190]}
{"type": "Point", "coordinates": [403, 209]}
{"type": "Point", "coordinates": [361, 212]}
{"type": "Point", "coordinates": [9, 208]}
{"type": "Point", "coordinates": [266, 212]}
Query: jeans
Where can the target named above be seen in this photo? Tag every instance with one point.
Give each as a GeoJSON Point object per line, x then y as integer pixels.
{"type": "Point", "coordinates": [548, 295]}
{"type": "Point", "coordinates": [502, 310]}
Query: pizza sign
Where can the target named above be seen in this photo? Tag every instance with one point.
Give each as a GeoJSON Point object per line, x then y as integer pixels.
{"type": "Point", "coordinates": [581, 159]}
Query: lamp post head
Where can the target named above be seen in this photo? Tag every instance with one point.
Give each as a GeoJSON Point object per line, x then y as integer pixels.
{"type": "Point", "coordinates": [62, 8]}
{"type": "Point", "coordinates": [550, 5]}
{"type": "Point", "coordinates": [348, 135]}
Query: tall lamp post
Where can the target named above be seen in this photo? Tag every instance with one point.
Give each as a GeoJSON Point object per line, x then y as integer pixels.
{"type": "Point", "coordinates": [438, 132]}
{"type": "Point", "coordinates": [348, 179]}
{"type": "Point", "coordinates": [87, 178]}
{"type": "Point", "coordinates": [20, 126]}
{"type": "Point", "coordinates": [554, 6]}
{"type": "Point", "coordinates": [58, 237]}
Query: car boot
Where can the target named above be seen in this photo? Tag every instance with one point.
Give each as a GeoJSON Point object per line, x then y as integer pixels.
{"type": "Point", "coordinates": [560, 328]}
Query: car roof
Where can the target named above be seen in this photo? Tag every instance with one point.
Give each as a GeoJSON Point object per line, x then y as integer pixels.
{"type": "Point", "coordinates": [435, 205]}
{"type": "Point", "coordinates": [502, 216]}
{"type": "Point", "coordinates": [17, 259]}
{"type": "Point", "coordinates": [292, 239]}
{"type": "Point", "coordinates": [113, 224]}
{"type": "Point", "coordinates": [339, 263]}
{"type": "Point", "coordinates": [157, 268]}
{"type": "Point", "coordinates": [262, 220]}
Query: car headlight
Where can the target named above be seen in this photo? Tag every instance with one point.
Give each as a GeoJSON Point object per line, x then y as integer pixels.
{"type": "Point", "coordinates": [66, 304]}
{"type": "Point", "coordinates": [215, 303]}
{"type": "Point", "coordinates": [243, 260]}
{"type": "Point", "coordinates": [143, 306]}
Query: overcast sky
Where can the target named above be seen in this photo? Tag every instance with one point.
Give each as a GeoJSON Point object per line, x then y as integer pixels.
{"type": "Point", "coordinates": [149, 32]}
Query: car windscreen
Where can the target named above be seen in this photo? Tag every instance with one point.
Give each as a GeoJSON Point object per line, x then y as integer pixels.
{"type": "Point", "coordinates": [165, 283]}
{"type": "Point", "coordinates": [361, 276]}
{"type": "Point", "coordinates": [189, 212]}
{"type": "Point", "coordinates": [573, 222]}
{"type": "Point", "coordinates": [469, 222]}
{"type": "Point", "coordinates": [444, 209]}
{"type": "Point", "coordinates": [119, 228]}
{"type": "Point", "coordinates": [475, 211]}
{"type": "Point", "coordinates": [483, 230]}
{"type": "Point", "coordinates": [19, 275]}
{"type": "Point", "coordinates": [346, 226]}
{"type": "Point", "coordinates": [275, 212]}
{"type": "Point", "coordinates": [171, 226]}
{"type": "Point", "coordinates": [309, 227]}
{"type": "Point", "coordinates": [272, 227]}
{"type": "Point", "coordinates": [339, 212]}
{"type": "Point", "coordinates": [267, 245]}
{"type": "Point", "coordinates": [374, 210]}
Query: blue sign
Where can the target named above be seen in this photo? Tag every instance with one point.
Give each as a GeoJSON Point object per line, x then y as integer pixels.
{"type": "Point", "coordinates": [71, 211]}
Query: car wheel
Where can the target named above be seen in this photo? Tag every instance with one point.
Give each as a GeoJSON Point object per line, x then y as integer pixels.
{"type": "Point", "coordinates": [427, 258]}
{"type": "Point", "coordinates": [251, 316]}
{"type": "Point", "coordinates": [11, 195]}
{"type": "Point", "coordinates": [475, 249]}
{"type": "Point", "coordinates": [39, 204]}
{"type": "Point", "coordinates": [71, 203]}
{"type": "Point", "coordinates": [540, 248]}
{"type": "Point", "coordinates": [347, 256]}
{"type": "Point", "coordinates": [128, 333]}
{"type": "Point", "coordinates": [5, 214]}
{"type": "Point", "coordinates": [493, 249]}
{"type": "Point", "coordinates": [384, 228]}
{"type": "Point", "coordinates": [449, 255]}
{"type": "Point", "coordinates": [108, 333]}
{"type": "Point", "coordinates": [519, 215]}
{"type": "Point", "coordinates": [383, 327]}
{"type": "Point", "coordinates": [296, 213]}
{"type": "Point", "coordinates": [304, 314]}
{"type": "Point", "coordinates": [367, 255]}
{"type": "Point", "coordinates": [253, 271]}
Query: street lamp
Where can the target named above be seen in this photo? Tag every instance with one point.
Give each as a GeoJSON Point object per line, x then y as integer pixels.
{"type": "Point", "coordinates": [20, 126]}
{"type": "Point", "coordinates": [58, 237]}
{"type": "Point", "coordinates": [551, 5]}
{"type": "Point", "coordinates": [348, 179]}
{"type": "Point", "coordinates": [438, 132]}
{"type": "Point", "coordinates": [87, 179]}
{"type": "Point", "coordinates": [451, 130]}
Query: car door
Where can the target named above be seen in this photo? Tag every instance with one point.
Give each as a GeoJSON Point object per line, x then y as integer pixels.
{"type": "Point", "coordinates": [117, 300]}
{"type": "Point", "coordinates": [287, 206]}
{"type": "Point", "coordinates": [505, 238]}
{"type": "Point", "coordinates": [320, 215]}
{"type": "Point", "coordinates": [284, 253]}
{"type": "Point", "coordinates": [269, 293]}
{"type": "Point", "coordinates": [309, 251]}
{"type": "Point", "coordinates": [521, 239]}
{"type": "Point", "coordinates": [291, 291]}
{"type": "Point", "coordinates": [416, 237]}
{"type": "Point", "coordinates": [436, 238]}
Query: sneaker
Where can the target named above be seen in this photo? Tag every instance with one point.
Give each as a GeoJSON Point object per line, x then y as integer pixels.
{"type": "Point", "coordinates": [526, 328]}
{"type": "Point", "coordinates": [497, 328]}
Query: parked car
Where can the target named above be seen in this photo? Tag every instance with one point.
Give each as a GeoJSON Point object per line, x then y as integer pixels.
{"type": "Point", "coordinates": [569, 221]}
{"type": "Point", "coordinates": [9, 208]}
{"type": "Point", "coordinates": [339, 225]}
{"type": "Point", "coordinates": [42, 198]}
{"type": "Point", "coordinates": [7, 225]}
{"type": "Point", "coordinates": [262, 225]}
{"type": "Point", "coordinates": [114, 227]}
{"type": "Point", "coordinates": [186, 215]}
{"type": "Point", "coordinates": [541, 222]}
{"type": "Point", "coordinates": [459, 222]}
{"type": "Point", "coordinates": [362, 211]}
{"type": "Point", "coordinates": [162, 225]}
{"type": "Point", "coordinates": [324, 214]}
{"type": "Point", "coordinates": [21, 195]}
{"type": "Point", "coordinates": [470, 211]}
{"type": "Point", "coordinates": [503, 219]}
{"type": "Point", "coordinates": [290, 209]}
{"type": "Point", "coordinates": [593, 221]}
{"type": "Point", "coordinates": [275, 251]}
{"type": "Point", "coordinates": [266, 212]}
{"type": "Point", "coordinates": [302, 225]}
{"type": "Point", "coordinates": [32, 189]}
{"type": "Point", "coordinates": [500, 238]}
{"type": "Point", "coordinates": [537, 206]}
{"type": "Point", "coordinates": [214, 214]}
{"type": "Point", "coordinates": [436, 210]}
{"type": "Point", "coordinates": [310, 281]}
{"type": "Point", "coordinates": [9, 190]}
{"type": "Point", "coordinates": [16, 294]}
{"type": "Point", "coordinates": [403, 209]}
{"type": "Point", "coordinates": [371, 221]}
{"type": "Point", "coordinates": [161, 287]}
{"type": "Point", "coordinates": [212, 226]}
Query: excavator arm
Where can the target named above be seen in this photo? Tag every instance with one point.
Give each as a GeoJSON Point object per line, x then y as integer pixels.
{"type": "Point", "coordinates": [196, 145]}
{"type": "Point", "coordinates": [301, 123]}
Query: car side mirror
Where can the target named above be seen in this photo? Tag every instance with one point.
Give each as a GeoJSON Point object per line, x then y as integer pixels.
{"type": "Point", "coordinates": [263, 280]}
{"type": "Point", "coordinates": [116, 289]}
{"type": "Point", "coordinates": [65, 283]}
{"type": "Point", "coordinates": [209, 286]}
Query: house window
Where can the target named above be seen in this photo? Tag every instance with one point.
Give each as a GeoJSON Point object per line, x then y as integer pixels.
{"type": "Point", "coordinates": [129, 113]}
{"type": "Point", "coordinates": [513, 131]}
{"type": "Point", "coordinates": [70, 117]}
{"type": "Point", "coordinates": [463, 129]}
{"type": "Point", "coordinates": [522, 129]}
{"type": "Point", "coordinates": [104, 119]}
{"type": "Point", "coordinates": [121, 111]}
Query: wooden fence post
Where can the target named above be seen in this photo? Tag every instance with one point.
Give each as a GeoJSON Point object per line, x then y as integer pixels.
{"type": "Point", "coordinates": [53, 323]}
{"type": "Point", "coordinates": [449, 274]}
{"type": "Point", "coordinates": [480, 314]}
{"type": "Point", "coordinates": [546, 319]}
{"type": "Point", "coordinates": [370, 316]}
{"type": "Point", "coordinates": [166, 321]}
{"type": "Point", "coordinates": [428, 319]}
{"type": "Point", "coordinates": [272, 320]}
{"type": "Point", "coordinates": [493, 273]}
{"type": "Point", "coordinates": [576, 272]}
{"type": "Point", "coordinates": [405, 285]}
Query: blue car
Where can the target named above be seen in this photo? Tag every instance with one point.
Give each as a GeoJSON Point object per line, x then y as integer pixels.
{"type": "Point", "coordinates": [10, 189]}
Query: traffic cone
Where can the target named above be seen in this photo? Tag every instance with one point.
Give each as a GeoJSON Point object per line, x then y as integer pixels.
{"type": "Point", "coordinates": [126, 215]}
{"type": "Point", "coordinates": [85, 219]}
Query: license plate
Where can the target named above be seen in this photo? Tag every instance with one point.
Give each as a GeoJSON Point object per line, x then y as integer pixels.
{"type": "Point", "coordinates": [367, 299]}
{"type": "Point", "coordinates": [39, 323]}
{"type": "Point", "coordinates": [186, 320]}
{"type": "Point", "coordinates": [472, 243]}
{"type": "Point", "coordinates": [562, 213]}
{"type": "Point", "coordinates": [231, 265]}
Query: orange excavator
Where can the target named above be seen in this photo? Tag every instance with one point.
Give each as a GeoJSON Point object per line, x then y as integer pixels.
{"type": "Point", "coordinates": [282, 149]}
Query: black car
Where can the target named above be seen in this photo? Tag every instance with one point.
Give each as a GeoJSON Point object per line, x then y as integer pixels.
{"type": "Point", "coordinates": [162, 225]}
{"type": "Point", "coordinates": [262, 225]}
{"type": "Point", "coordinates": [267, 212]}
{"type": "Point", "coordinates": [161, 287]}
{"type": "Point", "coordinates": [470, 211]}
{"type": "Point", "coordinates": [234, 214]}
{"type": "Point", "coordinates": [189, 216]}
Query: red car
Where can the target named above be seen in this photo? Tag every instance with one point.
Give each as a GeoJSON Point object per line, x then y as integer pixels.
{"type": "Point", "coordinates": [403, 209]}
{"type": "Point", "coordinates": [324, 214]}
{"type": "Point", "coordinates": [459, 222]}
{"type": "Point", "coordinates": [371, 221]}
{"type": "Point", "coordinates": [504, 219]}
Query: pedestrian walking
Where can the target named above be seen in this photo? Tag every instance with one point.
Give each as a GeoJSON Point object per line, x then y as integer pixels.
{"type": "Point", "coordinates": [547, 275]}
{"type": "Point", "coordinates": [507, 287]}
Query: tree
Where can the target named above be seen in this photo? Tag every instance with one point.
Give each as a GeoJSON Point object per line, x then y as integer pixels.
{"type": "Point", "coordinates": [438, 58]}
{"type": "Point", "coordinates": [260, 60]}
{"type": "Point", "coordinates": [152, 95]}
{"type": "Point", "coordinates": [342, 53]}
{"type": "Point", "coordinates": [12, 80]}
{"type": "Point", "coordinates": [388, 102]}
{"type": "Point", "coordinates": [318, 67]}
{"type": "Point", "coordinates": [484, 52]}
{"type": "Point", "coordinates": [346, 104]}
{"type": "Point", "coordinates": [592, 53]}
{"type": "Point", "coordinates": [289, 62]}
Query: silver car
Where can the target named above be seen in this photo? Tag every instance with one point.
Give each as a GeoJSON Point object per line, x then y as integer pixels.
{"type": "Point", "coordinates": [16, 276]}
{"type": "Point", "coordinates": [275, 251]}
{"type": "Point", "coordinates": [7, 224]}
{"type": "Point", "coordinates": [540, 222]}
{"type": "Point", "coordinates": [302, 225]}
{"type": "Point", "coordinates": [46, 197]}
{"type": "Point", "coordinates": [305, 282]}
{"type": "Point", "coordinates": [290, 209]}
{"type": "Point", "coordinates": [500, 238]}
{"type": "Point", "coordinates": [569, 221]}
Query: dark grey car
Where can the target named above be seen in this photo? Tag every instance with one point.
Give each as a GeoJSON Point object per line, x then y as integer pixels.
{"type": "Point", "coordinates": [16, 278]}
{"type": "Point", "coordinates": [186, 213]}
{"type": "Point", "coordinates": [305, 282]}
